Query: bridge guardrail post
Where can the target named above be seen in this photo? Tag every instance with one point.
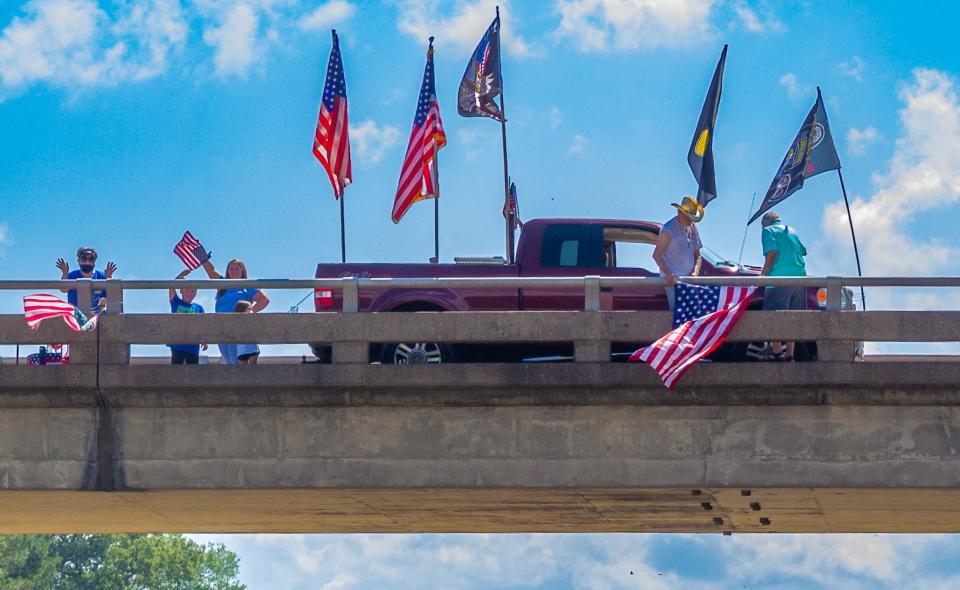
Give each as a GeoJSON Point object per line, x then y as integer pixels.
{"type": "Point", "coordinates": [351, 295]}
{"type": "Point", "coordinates": [350, 353]}
{"type": "Point", "coordinates": [114, 296]}
{"type": "Point", "coordinates": [591, 293]}
{"type": "Point", "coordinates": [835, 350]}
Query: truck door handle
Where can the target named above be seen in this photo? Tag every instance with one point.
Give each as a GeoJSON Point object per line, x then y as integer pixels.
{"type": "Point", "coordinates": [606, 289]}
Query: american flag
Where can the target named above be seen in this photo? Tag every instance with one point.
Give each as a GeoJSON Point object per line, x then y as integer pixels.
{"type": "Point", "coordinates": [418, 178]}
{"type": "Point", "coordinates": [702, 319]}
{"type": "Point", "coordinates": [39, 307]}
{"type": "Point", "coordinates": [191, 251]}
{"type": "Point", "coordinates": [331, 143]}
{"type": "Point", "coordinates": [512, 207]}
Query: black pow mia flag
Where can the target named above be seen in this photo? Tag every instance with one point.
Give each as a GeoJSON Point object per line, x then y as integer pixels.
{"type": "Point", "coordinates": [811, 153]}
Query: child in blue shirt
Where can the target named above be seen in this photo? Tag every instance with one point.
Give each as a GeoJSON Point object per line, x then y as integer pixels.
{"type": "Point", "coordinates": [185, 354]}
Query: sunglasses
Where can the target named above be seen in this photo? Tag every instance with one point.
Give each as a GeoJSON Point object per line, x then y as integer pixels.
{"type": "Point", "coordinates": [87, 257]}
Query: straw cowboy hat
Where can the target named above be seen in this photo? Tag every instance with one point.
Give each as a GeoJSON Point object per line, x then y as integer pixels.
{"type": "Point", "coordinates": [691, 208]}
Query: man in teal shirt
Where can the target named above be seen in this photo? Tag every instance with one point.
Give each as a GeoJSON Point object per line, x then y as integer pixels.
{"type": "Point", "coordinates": [783, 254]}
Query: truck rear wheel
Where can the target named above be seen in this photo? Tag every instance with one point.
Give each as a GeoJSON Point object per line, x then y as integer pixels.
{"type": "Point", "coordinates": [416, 353]}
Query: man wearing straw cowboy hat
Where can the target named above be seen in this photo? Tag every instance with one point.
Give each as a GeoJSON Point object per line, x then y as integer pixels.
{"type": "Point", "coordinates": [678, 247]}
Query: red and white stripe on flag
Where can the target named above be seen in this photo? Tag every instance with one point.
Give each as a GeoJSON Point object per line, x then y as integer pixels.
{"type": "Point", "coordinates": [331, 141]}
{"type": "Point", "coordinates": [418, 177]}
{"type": "Point", "coordinates": [40, 307]}
{"type": "Point", "coordinates": [187, 249]}
{"type": "Point", "coordinates": [678, 350]}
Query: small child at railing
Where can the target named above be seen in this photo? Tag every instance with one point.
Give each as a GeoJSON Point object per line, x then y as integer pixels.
{"type": "Point", "coordinates": [185, 354]}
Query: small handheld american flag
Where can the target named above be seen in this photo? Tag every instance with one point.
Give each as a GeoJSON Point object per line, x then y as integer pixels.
{"type": "Point", "coordinates": [191, 251]}
{"type": "Point", "coordinates": [703, 317]}
{"type": "Point", "coordinates": [331, 142]}
{"type": "Point", "coordinates": [418, 178]}
{"type": "Point", "coordinates": [40, 307]}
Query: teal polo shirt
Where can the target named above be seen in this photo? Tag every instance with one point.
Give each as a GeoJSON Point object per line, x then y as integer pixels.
{"type": "Point", "coordinates": [790, 251]}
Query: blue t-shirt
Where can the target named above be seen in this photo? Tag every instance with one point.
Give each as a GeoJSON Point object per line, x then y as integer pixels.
{"type": "Point", "coordinates": [178, 305]}
{"type": "Point", "coordinates": [98, 294]}
{"type": "Point", "coordinates": [227, 302]}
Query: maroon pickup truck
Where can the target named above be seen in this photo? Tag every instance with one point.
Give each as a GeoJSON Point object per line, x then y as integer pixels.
{"type": "Point", "coordinates": [547, 248]}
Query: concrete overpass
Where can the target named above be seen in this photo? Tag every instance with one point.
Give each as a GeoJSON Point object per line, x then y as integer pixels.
{"type": "Point", "coordinates": [839, 445]}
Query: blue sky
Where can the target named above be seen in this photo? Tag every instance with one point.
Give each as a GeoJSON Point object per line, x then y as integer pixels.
{"type": "Point", "coordinates": [127, 123]}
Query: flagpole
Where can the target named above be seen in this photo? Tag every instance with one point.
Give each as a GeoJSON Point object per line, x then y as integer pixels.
{"type": "Point", "coordinates": [506, 170]}
{"type": "Point", "coordinates": [744, 241]}
{"type": "Point", "coordinates": [343, 241]}
{"type": "Point", "coordinates": [856, 251]}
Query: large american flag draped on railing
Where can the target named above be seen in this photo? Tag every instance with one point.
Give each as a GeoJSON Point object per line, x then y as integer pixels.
{"type": "Point", "coordinates": [40, 307]}
{"type": "Point", "coordinates": [331, 143]}
{"type": "Point", "coordinates": [703, 317]}
{"type": "Point", "coordinates": [418, 178]}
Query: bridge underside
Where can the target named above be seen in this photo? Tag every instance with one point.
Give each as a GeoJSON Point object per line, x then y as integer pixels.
{"type": "Point", "coordinates": [642, 510]}
{"type": "Point", "coordinates": [818, 447]}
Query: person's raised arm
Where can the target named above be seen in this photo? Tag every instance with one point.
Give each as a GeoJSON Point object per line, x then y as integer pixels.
{"type": "Point", "coordinates": [64, 268]}
{"type": "Point", "coordinates": [183, 274]}
{"type": "Point", "coordinates": [662, 242]}
{"type": "Point", "coordinates": [211, 270]}
{"type": "Point", "coordinates": [260, 301]}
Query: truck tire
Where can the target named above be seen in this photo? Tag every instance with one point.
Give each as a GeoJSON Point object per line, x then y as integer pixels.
{"type": "Point", "coordinates": [415, 353]}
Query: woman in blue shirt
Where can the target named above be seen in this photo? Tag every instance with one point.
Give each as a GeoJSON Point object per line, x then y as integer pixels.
{"type": "Point", "coordinates": [226, 302]}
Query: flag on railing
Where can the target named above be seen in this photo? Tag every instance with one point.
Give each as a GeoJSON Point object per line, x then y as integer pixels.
{"type": "Point", "coordinates": [703, 317]}
{"type": "Point", "coordinates": [811, 153]}
{"type": "Point", "coordinates": [191, 251]}
{"type": "Point", "coordinates": [512, 207]}
{"type": "Point", "coordinates": [700, 155]}
{"type": "Point", "coordinates": [418, 178]}
{"type": "Point", "coordinates": [481, 81]}
{"type": "Point", "coordinates": [40, 307]}
{"type": "Point", "coordinates": [331, 142]}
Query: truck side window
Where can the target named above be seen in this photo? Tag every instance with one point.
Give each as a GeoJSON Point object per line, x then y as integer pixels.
{"type": "Point", "coordinates": [626, 247]}
{"type": "Point", "coordinates": [564, 245]}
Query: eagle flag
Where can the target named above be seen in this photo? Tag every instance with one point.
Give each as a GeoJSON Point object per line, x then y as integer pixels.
{"type": "Point", "coordinates": [811, 153]}
{"type": "Point", "coordinates": [700, 155]}
{"type": "Point", "coordinates": [418, 178]}
{"type": "Point", "coordinates": [703, 317]}
{"type": "Point", "coordinates": [331, 141]}
{"type": "Point", "coordinates": [481, 81]}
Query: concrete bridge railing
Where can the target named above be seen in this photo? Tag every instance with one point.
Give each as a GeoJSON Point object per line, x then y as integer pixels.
{"type": "Point", "coordinates": [109, 445]}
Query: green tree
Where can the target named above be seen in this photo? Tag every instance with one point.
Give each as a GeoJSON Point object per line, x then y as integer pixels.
{"type": "Point", "coordinates": [115, 562]}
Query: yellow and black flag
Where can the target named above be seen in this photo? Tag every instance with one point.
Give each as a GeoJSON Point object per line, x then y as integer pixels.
{"type": "Point", "coordinates": [700, 156]}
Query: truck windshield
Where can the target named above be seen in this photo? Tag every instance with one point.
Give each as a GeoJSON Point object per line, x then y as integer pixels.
{"type": "Point", "coordinates": [715, 259]}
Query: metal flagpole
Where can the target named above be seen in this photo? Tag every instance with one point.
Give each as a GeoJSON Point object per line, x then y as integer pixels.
{"type": "Point", "coordinates": [343, 240]}
{"type": "Point", "coordinates": [744, 241]}
{"type": "Point", "coordinates": [506, 171]}
{"type": "Point", "coordinates": [436, 205]}
{"type": "Point", "coordinates": [856, 251]}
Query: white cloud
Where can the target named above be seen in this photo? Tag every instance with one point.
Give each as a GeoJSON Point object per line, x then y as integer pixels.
{"type": "Point", "coordinates": [327, 15]}
{"type": "Point", "coordinates": [369, 143]}
{"type": "Point", "coordinates": [853, 68]}
{"type": "Point", "coordinates": [578, 144]}
{"type": "Point", "coordinates": [462, 27]}
{"type": "Point", "coordinates": [923, 175]}
{"type": "Point", "coordinates": [235, 41]}
{"type": "Point", "coordinates": [556, 117]}
{"type": "Point", "coordinates": [793, 87]}
{"type": "Point", "coordinates": [617, 25]}
{"type": "Point", "coordinates": [753, 23]}
{"type": "Point", "coordinates": [858, 140]}
{"type": "Point", "coordinates": [73, 43]}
